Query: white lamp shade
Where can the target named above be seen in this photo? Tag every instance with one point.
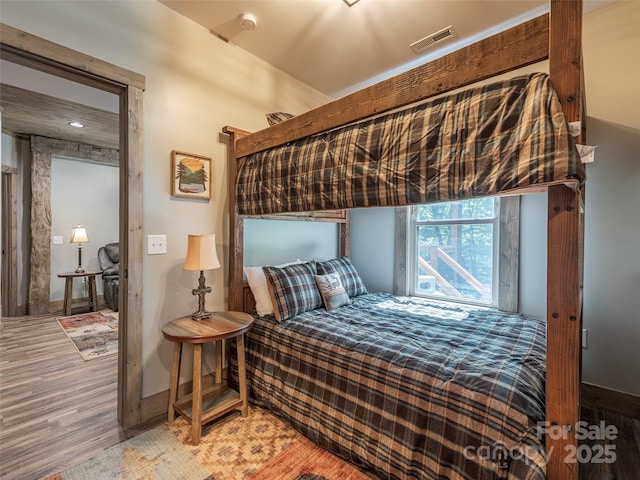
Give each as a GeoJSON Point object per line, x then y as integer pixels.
{"type": "Point", "coordinates": [201, 252]}
{"type": "Point", "coordinates": [79, 235]}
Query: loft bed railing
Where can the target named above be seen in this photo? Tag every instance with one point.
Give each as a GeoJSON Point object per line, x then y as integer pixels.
{"type": "Point", "coordinates": [555, 36]}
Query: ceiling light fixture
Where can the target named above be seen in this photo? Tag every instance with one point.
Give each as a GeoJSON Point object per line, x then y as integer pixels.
{"type": "Point", "coordinates": [350, 3]}
{"type": "Point", "coordinates": [76, 124]}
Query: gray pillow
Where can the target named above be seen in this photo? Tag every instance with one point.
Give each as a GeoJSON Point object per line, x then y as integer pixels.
{"type": "Point", "coordinates": [332, 292]}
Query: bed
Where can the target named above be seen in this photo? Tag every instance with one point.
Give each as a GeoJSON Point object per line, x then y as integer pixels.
{"type": "Point", "coordinates": [408, 388]}
{"type": "Point", "coordinates": [270, 172]}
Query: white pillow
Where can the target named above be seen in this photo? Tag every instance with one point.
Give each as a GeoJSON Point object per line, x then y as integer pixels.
{"type": "Point", "coordinates": [258, 284]}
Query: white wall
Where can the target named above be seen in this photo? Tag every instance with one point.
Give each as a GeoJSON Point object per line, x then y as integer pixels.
{"type": "Point", "coordinates": [269, 242]}
{"type": "Point", "coordinates": [372, 244]}
{"type": "Point", "coordinates": [86, 194]}
{"type": "Point", "coordinates": [611, 39]}
{"type": "Point", "coordinates": [195, 84]}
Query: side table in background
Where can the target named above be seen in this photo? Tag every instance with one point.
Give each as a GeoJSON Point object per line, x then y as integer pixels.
{"type": "Point", "coordinates": [68, 289]}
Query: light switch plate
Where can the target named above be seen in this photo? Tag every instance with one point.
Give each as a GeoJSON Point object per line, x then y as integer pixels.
{"type": "Point", "coordinates": [156, 244]}
{"type": "Point", "coordinates": [57, 240]}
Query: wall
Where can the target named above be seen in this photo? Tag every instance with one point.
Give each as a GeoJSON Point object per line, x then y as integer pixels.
{"type": "Point", "coordinates": [196, 84]}
{"type": "Point", "coordinates": [86, 194]}
{"type": "Point", "coordinates": [612, 223]}
{"type": "Point", "coordinates": [267, 242]}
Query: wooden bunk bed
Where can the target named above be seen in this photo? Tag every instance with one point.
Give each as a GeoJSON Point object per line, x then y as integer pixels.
{"type": "Point", "coordinates": [556, 37]}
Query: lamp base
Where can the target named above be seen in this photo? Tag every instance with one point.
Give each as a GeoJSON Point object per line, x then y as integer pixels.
{"type": "Point", "coordinates": [79, 269]}
{"type": "Point", "coordinates": [200, 315]}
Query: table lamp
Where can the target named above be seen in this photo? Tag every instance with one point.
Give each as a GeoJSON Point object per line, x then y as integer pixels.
{"type": "Point", "coordinates": [79, 236]}
{"type": "Point", "coordinates": [201, 255]}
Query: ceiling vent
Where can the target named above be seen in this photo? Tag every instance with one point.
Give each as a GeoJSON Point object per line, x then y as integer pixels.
{"type": "Point", "coordinates": [432, 39]}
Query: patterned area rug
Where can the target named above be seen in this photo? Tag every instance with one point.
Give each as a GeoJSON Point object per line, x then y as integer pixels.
{"type": "Point", "coordinates": [258, 447]}
{"type": "Point", "coordinates": [93, 334]}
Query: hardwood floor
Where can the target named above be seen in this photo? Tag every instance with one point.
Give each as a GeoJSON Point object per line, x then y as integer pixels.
{"type": "Point", "coordinates": [55, 408]}
{"type": "Point", "coordinates": [624, 449]}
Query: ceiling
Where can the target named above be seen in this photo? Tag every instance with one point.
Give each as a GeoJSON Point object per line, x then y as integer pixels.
{"type": "Point", "coordinates": [338, 49]}
{"type": "Point", "coordinates": [334, 48]}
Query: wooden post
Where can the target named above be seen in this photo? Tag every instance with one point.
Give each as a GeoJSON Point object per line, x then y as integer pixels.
{"type": "Point", "coordinates": [236, 225]}
{"type": "Point", "coordinates": [564, 327]}
{"type": "Point", "coordinates": [564, 256]}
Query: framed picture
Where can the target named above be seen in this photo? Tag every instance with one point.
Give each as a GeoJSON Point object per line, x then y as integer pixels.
{"type": "Point", "coordinates": [190, 175]}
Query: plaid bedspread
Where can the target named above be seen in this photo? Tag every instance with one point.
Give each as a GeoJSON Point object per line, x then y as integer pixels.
{"type": "Point", "coordinates": [408, 388]}
{"type": "Point", "coordinates": [482, 141]}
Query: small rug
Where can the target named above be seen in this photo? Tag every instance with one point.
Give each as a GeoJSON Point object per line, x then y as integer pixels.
{"type": "Point", "coordinates": [153, 455]}
{"type": "Point", "coordinates": [256, 447]}
{"type": "Point", "coordinates": [93, 334]}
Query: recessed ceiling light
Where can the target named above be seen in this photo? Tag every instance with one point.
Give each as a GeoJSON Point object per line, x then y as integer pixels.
{"type": "Point", "coordinates": [76, 124]}
{"type": "Point", "coordinates": [350, 3]}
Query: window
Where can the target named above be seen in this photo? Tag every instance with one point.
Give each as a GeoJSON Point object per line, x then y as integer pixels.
{"type": "Point", "coordinates": [453, 251]}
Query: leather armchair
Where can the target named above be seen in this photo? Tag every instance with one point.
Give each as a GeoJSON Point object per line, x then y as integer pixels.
{"type": "Point", "coordinates": [109, 261]}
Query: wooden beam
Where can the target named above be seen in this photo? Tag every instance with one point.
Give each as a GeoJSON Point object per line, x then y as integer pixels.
{"type": "Point", "coordinates": [565, 56]}
{"type": "Point", "coordinates": [236, 225]}
{"type": "Point", "coordinates": [564, 327]}
{"type": "Point", "coordinates": [498, 54]}
{"type": "Point", "coordinates": [564, 255]}
{"type": "Point", "coordinates": [66, 148]}
{"type": "Point", "coordinates": [40, 256]}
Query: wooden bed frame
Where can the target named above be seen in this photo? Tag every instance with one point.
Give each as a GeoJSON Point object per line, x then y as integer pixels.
{"type": "Point", "coordinates": [555, 36]}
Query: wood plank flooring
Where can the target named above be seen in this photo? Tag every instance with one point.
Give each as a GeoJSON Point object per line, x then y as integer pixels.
{"type": "Point", "coordinates": [625, 448]}
{"type": "Point", "coordinates": [55, 408]}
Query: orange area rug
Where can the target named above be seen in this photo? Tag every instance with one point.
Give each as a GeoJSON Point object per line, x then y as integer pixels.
{"type": "Point", "coordinates": [304, 460]}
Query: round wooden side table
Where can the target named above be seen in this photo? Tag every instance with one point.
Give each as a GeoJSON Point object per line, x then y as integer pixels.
{"type": "Point", "coordinates": [201, 407]}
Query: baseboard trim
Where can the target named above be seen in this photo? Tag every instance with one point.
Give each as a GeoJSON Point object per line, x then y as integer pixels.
{"type": "Point", "coordinates": [621, 402]}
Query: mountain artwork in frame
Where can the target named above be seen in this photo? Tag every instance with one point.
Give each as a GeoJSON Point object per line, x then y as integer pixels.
{"type": "Point", "coordinates": [190, 175]}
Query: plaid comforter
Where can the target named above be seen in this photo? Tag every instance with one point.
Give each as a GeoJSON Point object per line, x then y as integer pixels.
{"type": "Point", "coordinates": [481, 141]}
{"type": "Point", "coordinates": [408, 388]}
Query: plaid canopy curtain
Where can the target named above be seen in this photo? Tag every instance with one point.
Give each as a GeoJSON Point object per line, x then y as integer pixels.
{"type": "Point", "coordinates": [482, 141]}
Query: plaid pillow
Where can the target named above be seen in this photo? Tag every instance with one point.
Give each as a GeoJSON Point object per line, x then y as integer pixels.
{"type": "Point", "coordinates": [349, 277]}
{"type": "Point", "coordinates": [332, 292]}
{"type": "Point", "coordinates": [292, 289]}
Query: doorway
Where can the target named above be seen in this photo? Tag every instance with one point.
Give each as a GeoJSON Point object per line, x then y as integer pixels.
{"type": "Point", "coordinates": [40, 54]}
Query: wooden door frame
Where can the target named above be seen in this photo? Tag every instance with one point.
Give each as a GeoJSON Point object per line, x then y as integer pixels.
{"type": "Point", "coordinates": [40, 54]}
{"type": "Point", "coordinates": [9, 241]}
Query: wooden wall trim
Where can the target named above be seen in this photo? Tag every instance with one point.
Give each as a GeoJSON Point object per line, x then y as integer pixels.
{"type": "Point", "coordinates": [10, 241]}
{"type": "Point", "coordinates": [40, 53]}
{"type": "Point", "coordinates": [131, 314]}
{"type": "Point", "coordinates": [509, 253]}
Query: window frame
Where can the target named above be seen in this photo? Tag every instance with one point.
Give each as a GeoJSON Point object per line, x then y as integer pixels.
{"type": "Point", "coordinates": [506, 254]}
